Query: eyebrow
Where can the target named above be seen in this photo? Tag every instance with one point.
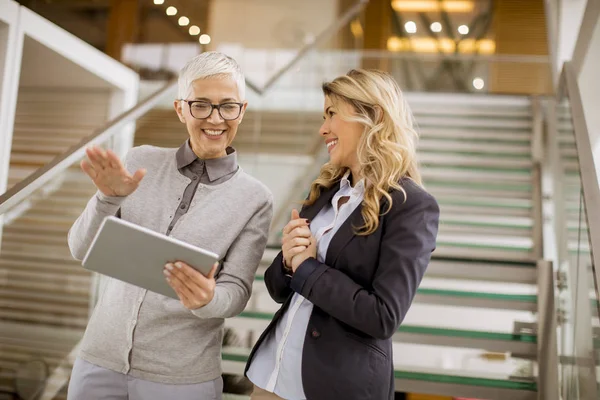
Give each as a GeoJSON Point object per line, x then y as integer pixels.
{"type": "Point", "coordinates": [226, 100]}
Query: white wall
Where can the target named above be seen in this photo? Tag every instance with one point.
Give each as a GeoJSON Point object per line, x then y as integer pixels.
{"type": "Point", "coordinates": [570, 15]}
{"type": "Point", "coordinates": [589, 86]}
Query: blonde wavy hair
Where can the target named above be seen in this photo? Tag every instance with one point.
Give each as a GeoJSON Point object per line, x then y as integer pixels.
{"type": "Point", "coordinates": [387, 147]}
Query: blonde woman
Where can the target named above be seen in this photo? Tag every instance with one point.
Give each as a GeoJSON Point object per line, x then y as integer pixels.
{"type": "Point", "coordinates": [352, 260]}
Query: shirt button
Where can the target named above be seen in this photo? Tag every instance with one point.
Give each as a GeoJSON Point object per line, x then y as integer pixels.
{"type": "Point", "coordinates": [315, 333]}
{"type": "Point", "coordinates": [195, 177]}
{"type": "Point", "coordinates": [183, 206]}
{"type": "Point", "coordinates": [135, 322]}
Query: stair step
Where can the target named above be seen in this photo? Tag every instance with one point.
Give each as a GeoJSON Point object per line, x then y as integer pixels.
{"type": "Point", "coordinates": [474, 123]}
{"type": "Point", "coordinates": [524, 345]}
{"type": "Point", "coordinates": [448, 146]}
{"type": "Point", "coordinates": [468, 176]}
{"type": "Point", "coordinates": [475, 161]}
{"type": "Point", "coordinates": [473, 269]}
{"type": "Point", "coordinates": [492, 192]}
{"type": "Point", "coordinates": [460, 298]}
{"type": "Point", "coordinates": [461, 267]}
{"type": "Point", "coordinates": [453, 133]}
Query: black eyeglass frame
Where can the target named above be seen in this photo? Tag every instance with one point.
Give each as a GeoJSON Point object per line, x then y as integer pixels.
{"type": "Point", "coordinates": [212, 108]}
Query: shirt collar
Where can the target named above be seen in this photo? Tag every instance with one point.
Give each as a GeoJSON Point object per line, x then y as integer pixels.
{"type": "Point", "coordinates": [215, 167]}
{"type": "Point", "coordinates": [357, 190]}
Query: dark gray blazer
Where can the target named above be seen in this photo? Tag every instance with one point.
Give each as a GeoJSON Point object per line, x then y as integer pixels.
{"type": "Point", "coordinates": [360, 295]}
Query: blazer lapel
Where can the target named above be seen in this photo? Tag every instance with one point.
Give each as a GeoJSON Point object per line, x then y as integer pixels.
{"type": "Point", "coordinates": [343, 236]}
{"type": "Point", "coordinates": [310, 212]}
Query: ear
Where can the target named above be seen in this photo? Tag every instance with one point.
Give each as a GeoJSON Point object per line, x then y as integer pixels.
{"type": "Point", "coordinates": [243, 112]}
{"type": "Point", "coordinates": [179, 110]}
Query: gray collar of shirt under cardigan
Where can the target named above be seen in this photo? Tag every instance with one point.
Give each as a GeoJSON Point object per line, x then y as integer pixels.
{"type": "Point", "coordinates": [207, 172]}
{"type": "Point", "coordinates": [153, 337]}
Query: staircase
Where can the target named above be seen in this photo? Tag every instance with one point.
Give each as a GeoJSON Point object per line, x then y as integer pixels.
{"type": "Point", "coordinates": [473, 312]}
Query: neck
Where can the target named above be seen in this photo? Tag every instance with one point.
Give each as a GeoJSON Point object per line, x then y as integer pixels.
{"type": "Point", "coordinates": [356, 175]}
{"type": "Point", "coordinates": [205, 155]}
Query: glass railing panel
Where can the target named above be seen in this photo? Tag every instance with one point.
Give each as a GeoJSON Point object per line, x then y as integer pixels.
{"type": "Point", "coordinates": [577, 294]}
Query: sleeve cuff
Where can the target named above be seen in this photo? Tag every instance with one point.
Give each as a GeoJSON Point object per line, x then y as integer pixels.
{"type": "Point", "coordinates": [303, 272]}
{"type": "Point", "coordinates": [211, 309]}
{"type": "Point", "coordinates": [109, 200]}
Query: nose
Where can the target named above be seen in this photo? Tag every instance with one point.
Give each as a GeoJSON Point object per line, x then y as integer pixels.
{"type": "Point", "coordinates": [324, 129]}
{"type": "Point", "coordinates": [215, 117]}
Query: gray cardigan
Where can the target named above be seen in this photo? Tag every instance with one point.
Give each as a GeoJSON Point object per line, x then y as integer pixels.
{"type": "Point", "coordinates": [154, 337]}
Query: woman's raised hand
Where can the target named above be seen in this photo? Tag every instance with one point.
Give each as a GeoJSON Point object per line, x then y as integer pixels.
{"type": "Point", "coordinates": [109, 174]}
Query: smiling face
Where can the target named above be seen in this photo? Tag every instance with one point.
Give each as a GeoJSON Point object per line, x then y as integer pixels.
{"type": "Point", "coordinates": [341, 137]}
{"type": "Point", "coordinates": [210, 137]}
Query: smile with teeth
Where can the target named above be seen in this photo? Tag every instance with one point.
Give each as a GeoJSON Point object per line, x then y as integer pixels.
{"type": "Point", "coordinates": [211, 132]}
{"type": "Point", "coordinates": [331, 144]}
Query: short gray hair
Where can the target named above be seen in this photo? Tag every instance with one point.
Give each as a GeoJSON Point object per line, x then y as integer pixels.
{"type": "Point", "coordinates": [206, 65]}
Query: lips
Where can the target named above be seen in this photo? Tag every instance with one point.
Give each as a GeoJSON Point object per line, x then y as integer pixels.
{"type": "Point", "coordinates": [331, 144]}
{"type": "Point", "coordinates": [213, 132]}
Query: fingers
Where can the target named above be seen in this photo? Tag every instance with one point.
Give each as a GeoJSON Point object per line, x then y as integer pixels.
{"type": "Point", "coordinates": [213, 271]}
{"type": "Point", "coordinates": [193, 278]}
{"type": "Point", "coordinates": [139, 175]}
{"type": "Point", "coordinates": [294, 251]}
{"type": "Point", "coordinates": [184, 293]}
{"type": "Point", "coordinates": [295, 214]}
{"type": "Point", "coordinates": [113, 160]}
{"type": "Point", "coordinates": [297, 241]}
{"type": "Point", "coordinates": [293, 224]}
{"type": "Point", "coordinates": [179, 279]}
{"type": "Point", "coordinates": [98, 158]}
{"type": "Point", "coordinates": [88, 169]}
{"type": "Point", "coordinates": [302, 231]}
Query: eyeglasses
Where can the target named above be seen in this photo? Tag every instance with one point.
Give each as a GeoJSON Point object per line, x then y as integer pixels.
{"type": "Point", "coordinates": [202, 109]}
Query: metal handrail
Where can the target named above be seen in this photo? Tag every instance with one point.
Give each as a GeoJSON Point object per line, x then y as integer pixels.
{"type": "Point", "coordinates": [61, 162]}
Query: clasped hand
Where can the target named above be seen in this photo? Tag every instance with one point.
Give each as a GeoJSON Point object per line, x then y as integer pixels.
{"type": "Point", "coordinates": [298, 243]}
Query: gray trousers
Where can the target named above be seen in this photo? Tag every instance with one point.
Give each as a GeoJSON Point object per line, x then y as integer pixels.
{"type": "Point", "coordinates": [91, 382]}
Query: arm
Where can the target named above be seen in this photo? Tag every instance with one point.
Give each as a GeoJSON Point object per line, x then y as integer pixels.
{"type": "Point", "coordinates": [408, 239]}
{"type": "Point", "coordinates": [277, 280]}
{"type": "Point", "coordinates": [234, 282]}
{"type": "Point", "coordinates": [86, 226]}
{"type": "Point", "coordinates": [114, 184]}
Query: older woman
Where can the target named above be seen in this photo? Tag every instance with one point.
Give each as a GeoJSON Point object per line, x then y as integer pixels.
{"type": "Point", "coordinates": [142, 345]}
{"type": "Point", "coordinates": [347, 277]}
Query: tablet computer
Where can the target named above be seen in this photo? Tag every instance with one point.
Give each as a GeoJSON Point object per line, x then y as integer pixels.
{"type": "Point", "coordinates": [137, 255]}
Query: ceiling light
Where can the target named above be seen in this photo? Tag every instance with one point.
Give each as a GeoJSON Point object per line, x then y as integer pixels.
{"type": "Point", "coordinates": [184, 21]}
{"type": "Point", "coordinates": [463, 30]}
{"type": "Point", "coordinates": [194, 30]}
{"type": "Point", "coordinates": [436, 27]}
{"type": "Point", "coordinates": [457, 6]}
{"type": "Point", "coordinates": [444, 45]}
{"type": "Point", "coordinates": [159, 2]}
{"type": "Point", "coordinates": [478, 83]}
{"type": "Point", "coordinates": [410, 27]}
{"type": "Point", "coordinates": [171, 11]}
{"type": "Point", "coordinates": [204, 39]}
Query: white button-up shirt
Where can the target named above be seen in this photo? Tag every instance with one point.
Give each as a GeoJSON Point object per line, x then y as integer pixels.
{"type": "Point", "coordinates": [277, 364]}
